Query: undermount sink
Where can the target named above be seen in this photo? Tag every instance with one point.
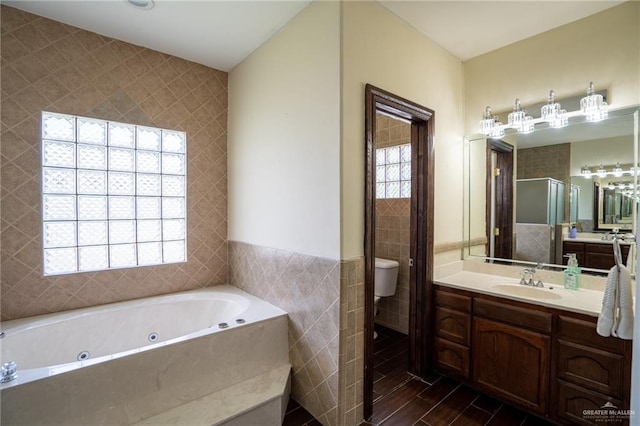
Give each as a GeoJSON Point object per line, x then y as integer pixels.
{"type": "Point", "coordinates": [525, 291]}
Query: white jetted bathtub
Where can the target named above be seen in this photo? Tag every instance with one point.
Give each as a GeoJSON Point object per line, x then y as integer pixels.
{"type": "Point", "coordinates": [175, 359]}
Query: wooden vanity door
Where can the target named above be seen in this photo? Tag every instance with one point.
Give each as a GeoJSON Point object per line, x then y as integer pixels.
{"type": "Point", "coordinates": [512, 363]}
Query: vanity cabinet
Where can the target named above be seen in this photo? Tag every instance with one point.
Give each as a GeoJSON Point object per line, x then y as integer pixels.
{"type": "Point", "coordinates": [593, 255]}
{"type": "Point", "coordinates": [453, 333]}
{"type": "Point", "coordinates": [547, 361]}
{"type": "Point", "coordinates": [589, 370]}
{"type": "Point", "coordinates": [510, 351]}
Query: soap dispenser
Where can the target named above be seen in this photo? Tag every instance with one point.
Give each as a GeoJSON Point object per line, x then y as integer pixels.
{"type": "Point", "coordinates": [573, 233]}
{"type": "Point", "coordinates": [572, 273]}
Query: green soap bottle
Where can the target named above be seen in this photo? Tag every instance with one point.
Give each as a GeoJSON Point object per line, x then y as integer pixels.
{"type": "Point", "coordinates": [572, 273]}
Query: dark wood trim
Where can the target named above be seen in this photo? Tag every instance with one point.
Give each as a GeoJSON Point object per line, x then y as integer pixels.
{"type": "Point", "coordinates": [504, 194]}
{"type": "Point", "coordinates": [421, 307]}
{"type": "Point", "coordinates": [596, 205]}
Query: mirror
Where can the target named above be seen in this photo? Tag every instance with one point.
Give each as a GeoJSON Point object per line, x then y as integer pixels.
{"type": "Point", "coordinates": [551, 192]}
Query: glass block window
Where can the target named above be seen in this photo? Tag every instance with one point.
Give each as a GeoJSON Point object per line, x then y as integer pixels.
{"type": "Point", "coordinates": [113, 195]}
{"type": "Point", "coordinates": [393, 172]}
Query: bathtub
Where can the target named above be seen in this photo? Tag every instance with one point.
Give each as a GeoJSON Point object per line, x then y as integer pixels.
{"type": "Point", "coordinates": [126, 362]}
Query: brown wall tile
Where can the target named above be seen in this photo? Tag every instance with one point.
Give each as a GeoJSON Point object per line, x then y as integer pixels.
{"type": "Point", "coordinates": [47, 65]}
{"type": "Point", "coordinates": [308, 289]}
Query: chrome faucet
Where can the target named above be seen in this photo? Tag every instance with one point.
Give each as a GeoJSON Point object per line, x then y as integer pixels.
{"type": "Point", "coordinates": [531, 282]}
{"type": "Point", "coordinates": [9, 372]}
{"type": "Point", "coordinates": [524, 274]}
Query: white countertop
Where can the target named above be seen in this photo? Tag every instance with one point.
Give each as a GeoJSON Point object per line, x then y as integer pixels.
{"type": "Point", "coordinates": [582, 301]}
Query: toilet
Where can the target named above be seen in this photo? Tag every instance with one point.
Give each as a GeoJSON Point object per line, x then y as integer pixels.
{"type": "Point", "coordinates": [386, 278]}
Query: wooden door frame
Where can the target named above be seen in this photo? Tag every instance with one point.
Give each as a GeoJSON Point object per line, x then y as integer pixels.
{"type": "Point", "coordinates": [504, 193]}
{"type": "Point", "coordinates": [422, 223]}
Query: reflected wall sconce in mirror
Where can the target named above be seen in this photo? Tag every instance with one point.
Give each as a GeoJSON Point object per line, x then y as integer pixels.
{"type": "Point", "coordinates": [617, 170]}
{"type": "Point", "coordinates": [625, 188]}
{"type": "Point", "coordinates": [604, 171]}
{"type": "Point", "coordinates": [592, 106]}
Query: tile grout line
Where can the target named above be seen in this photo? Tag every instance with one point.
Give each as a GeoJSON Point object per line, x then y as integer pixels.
{"type": "Point", "coordinates": [439, 402]}
{"type": "Point", "coordinates": [462, 411]}
{"type": "Point", "coordinates": [399, 408]}
{"type": "Point", "coordinates": [487, 411]}
{"type": "Point", "coordinates": [493, 415]}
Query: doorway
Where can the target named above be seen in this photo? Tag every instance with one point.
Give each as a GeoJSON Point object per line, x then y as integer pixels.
{"type": "Point", "coordinates": [419, 263]}
{"type": "Point", "coordinates": [499, 199]}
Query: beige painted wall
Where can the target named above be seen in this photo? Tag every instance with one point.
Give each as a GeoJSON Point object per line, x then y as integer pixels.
{"type": "Point", "coordinates": [381, 49]}
{"type": "Point", "coordinates": [564, 59]}
{"type": "Point", "coordinates": [284, 138]}
{"type": "Point", "coordinates": [603, 48]}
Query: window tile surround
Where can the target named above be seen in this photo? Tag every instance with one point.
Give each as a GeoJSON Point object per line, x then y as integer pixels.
{"type": "Point", "coordinates": [50, 66]}
{"type": "Point", "coordinates": [113, 195]}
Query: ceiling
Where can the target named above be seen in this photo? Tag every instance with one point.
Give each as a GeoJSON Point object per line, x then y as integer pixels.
{"type": "Point", "coordinates": [220, 34]}
{"type": "Point", "coordinates": [471, 28]}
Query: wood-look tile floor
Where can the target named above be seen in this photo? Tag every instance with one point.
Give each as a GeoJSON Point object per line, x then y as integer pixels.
{"type": "Point", "coordinates": [403, 400]}
{"type": "Point", "coordinates": [296, 415]}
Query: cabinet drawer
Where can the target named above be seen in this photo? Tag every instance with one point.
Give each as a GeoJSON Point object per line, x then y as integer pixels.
{"type": "Point", "coordinates": [599, 260]}
{"type": "Point", "coordinates": [584, 332]}
{"type": "Point", "coordinates": [452, 300]}
{"type": "Point", "coordinates": [573, 247]}
{"type": "Point", "coordinates": [573, 400]}
{"type": "Point", "coordinates": [590, 368]}
{"type": "Point", "coordinates": [604, 248]}
{"type": "Point", "coordinates": [535, 320]}
{"type": "Point", "coordinates": [453, 325]}
{"type": "Point", "coordinates": [452, 358]}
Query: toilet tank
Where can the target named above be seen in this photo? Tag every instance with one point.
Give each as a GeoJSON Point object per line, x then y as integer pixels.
{"type": "Point", "coordinates": [386, 277]}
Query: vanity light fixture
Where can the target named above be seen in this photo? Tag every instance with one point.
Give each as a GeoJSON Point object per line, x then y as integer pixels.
{"type": "Point", "coordinates": [487, 122]}
{"type": "Point", "coordinates": [527, 125]}
{"type": "Point", "coordinates": [593, 105]}
{"type": "Point", "coordinates": [617, 170]}
{"type": "Point", "coordinates": [515, 119]}
{"type": "Point", "coordinates": [519, 119]}
{"type": "Point", "coordinates": [602, 172]}
{"type": "Point", "coordinates": [586, 172]}
{"type": "Point", "coordinates": [497, 131]}
{"type": "Point", "coordinates": [553, 114]}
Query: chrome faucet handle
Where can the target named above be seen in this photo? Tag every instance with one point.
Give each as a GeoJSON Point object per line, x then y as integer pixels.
{"type": "Point", "coordinates": [539, 284]}
{"type": "Point", "coordinates": [9, 372]}
{"type": "Point", "coordinates": [524, 274]}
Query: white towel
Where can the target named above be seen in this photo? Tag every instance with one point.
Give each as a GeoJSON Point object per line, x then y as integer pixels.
{"type": "Point", "coordinates": [607, 314]}
{"type": "Point", "coordinates": [616, 317]}
{"type": "Point", "coordinates": [624, 321]}
{"type": "Point", "coordinates": [631, 258]}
